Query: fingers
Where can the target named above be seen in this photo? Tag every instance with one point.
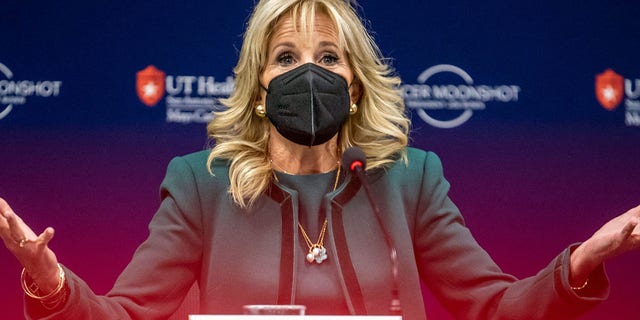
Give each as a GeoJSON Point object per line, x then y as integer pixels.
{"type": "Point", "coordinates": [3, 205]}
{"type": "Point", "coordinates": [18, 229]}
{"type": "Point", "coordinates": [635, 211]}
{"type": "Point", "coordinates": [5, 210]}
{"type": "Point", "coordinates": [45, 237]}
{"type": "Point", "coordinates": [629, 227]}
{"type": "Point", "coordinates": [636, 230]}
{"type": "Point", "coordinates": [15, 233]}
{"type": "Point", "coordinates": [13, 224]}
{"type": "Point", "coordinates": [631, 218]}
{"type": "Point", "coordinates": [7, 223]}
{"type": "Point", "coordinates": [31, 250]}
{"type": "Point", "coordinates": [41, 243]}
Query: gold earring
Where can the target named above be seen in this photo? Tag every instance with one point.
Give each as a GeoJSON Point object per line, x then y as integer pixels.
{"type": "Point", "coordinates": [260, 111]}
{"type": "Point", "coordinates": [353, 109]}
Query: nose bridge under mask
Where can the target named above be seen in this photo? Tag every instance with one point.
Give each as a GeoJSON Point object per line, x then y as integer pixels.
{"type": "Point", "coordinates": [309, 68]}
{"type": "Point", "coordinates": [308, 104]}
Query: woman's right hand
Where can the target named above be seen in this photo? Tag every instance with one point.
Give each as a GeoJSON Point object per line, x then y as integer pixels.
{"type": "Point", "coordinates": [31, 250]}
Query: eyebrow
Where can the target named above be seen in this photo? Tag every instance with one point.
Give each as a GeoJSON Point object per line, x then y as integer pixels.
{"type": "Point", "coordinates": [290, 44]}
{"type": "Point", "coordinates": [328, 44]}
{"type": "Point", "coordinates": [287, 44]}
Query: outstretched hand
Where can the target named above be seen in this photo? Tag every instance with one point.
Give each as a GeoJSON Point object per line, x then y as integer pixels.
{"type": "Point", "coordinates": [621, 234]}
{"type": "Point", "coordinates": [31, 250]}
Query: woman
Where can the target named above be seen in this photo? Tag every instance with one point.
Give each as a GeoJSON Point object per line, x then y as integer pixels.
{"type": "Point", "coordinates": [269, 217]}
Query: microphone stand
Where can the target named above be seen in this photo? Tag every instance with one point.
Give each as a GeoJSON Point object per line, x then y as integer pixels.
{"type": "Point", "coordinates": [357, 166]}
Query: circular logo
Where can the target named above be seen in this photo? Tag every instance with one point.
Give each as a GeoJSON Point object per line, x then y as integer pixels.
{"type": "Point", "coordinates": [451, 98]}
{"type": "Point", "coordinates": [4, 110]}
{"type": "Point", "coordinates": [15, 92]}
{"type": "Point", "coordinates": [464, 116]}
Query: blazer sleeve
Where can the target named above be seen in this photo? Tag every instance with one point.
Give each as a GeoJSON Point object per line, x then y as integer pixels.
{"type": "Point", "coordinates": [162, 269]}
{"type": "Point", "coordinates": [468, 282]}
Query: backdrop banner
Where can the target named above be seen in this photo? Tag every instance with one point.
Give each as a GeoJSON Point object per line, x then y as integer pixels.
{"type": "Point", "coordinates": [534, 108]}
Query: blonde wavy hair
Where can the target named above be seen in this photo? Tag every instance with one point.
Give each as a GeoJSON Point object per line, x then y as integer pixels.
{"type": "Point", "coordinates": [380, 127]}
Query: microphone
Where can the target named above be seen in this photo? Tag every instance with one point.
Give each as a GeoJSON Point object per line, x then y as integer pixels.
{"type": "Point", "coordinates": [355, 161]}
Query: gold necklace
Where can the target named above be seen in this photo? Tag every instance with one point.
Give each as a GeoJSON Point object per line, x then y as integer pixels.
{"type": "Point", "coordinates": [317, 251]}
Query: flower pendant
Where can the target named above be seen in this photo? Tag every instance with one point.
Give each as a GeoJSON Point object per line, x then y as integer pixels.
{"type": "Point", "coordinates": [317, 253]}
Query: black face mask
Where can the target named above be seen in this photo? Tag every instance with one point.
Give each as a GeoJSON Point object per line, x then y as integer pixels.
{"type": "Point", "coordinates": [308, 104]}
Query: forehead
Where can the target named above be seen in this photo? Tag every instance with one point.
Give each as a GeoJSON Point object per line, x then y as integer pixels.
{"type": "Point", "coordinates": [306, 30]}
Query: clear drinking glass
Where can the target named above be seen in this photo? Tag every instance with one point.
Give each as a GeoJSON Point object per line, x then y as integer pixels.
{"type": "Point", "coordinates": [274, 309]}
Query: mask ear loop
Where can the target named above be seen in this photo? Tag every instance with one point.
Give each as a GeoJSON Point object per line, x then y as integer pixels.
{"type": "Point", "coordinates": [263, 87]}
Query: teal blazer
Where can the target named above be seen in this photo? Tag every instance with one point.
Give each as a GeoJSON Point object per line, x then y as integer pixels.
{"type": "Point", "coordinates": [238, 257]}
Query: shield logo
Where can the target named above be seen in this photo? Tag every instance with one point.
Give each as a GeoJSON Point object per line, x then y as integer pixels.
{"type": "Point", "coordinates": [609, 89]}
{"type": "Point", "coordinates": [150, 85]}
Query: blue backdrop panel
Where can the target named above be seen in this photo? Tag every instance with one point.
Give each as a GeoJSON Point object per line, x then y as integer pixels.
{"type": "Point", "coordinates": [540, 151]}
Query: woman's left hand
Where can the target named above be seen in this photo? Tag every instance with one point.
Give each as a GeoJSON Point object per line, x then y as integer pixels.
{"type": "Point", "coordinates": [619, 235]}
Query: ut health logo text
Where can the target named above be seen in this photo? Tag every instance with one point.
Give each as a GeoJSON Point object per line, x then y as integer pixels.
{"type": "Point", "coordinates": [189, 99]}
{"type": "Point", "coordinates": [612, 89]}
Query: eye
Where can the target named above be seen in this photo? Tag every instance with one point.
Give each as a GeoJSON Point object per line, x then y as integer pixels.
{"type": "Point", "coordinates": [285, 59]}
{"type": "Point", "coordinates": [329, 59]}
